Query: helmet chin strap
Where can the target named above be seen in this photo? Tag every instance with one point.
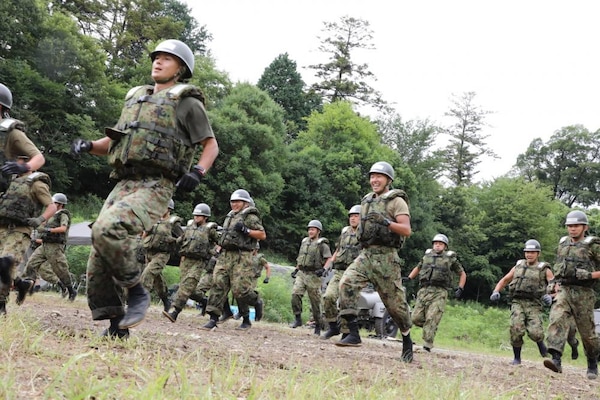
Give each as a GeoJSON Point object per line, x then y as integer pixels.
{"type": "Point", "coordinates": [173, 78]}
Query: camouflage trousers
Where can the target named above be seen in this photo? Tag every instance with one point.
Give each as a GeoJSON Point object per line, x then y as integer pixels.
{"type": "Point", "coordinates": [47, 273]}
{"type": "Point", "coordinates": [578, 303]}
{"type": "Point", "coordinates": [234, 272]}
{"type": "Point", "coordinates": [525, 316]}
{"type": "Point", "coordinates": [131, 207]}
{"type": "Point", "coordinates": [307, 282]}
{"type": "Point", "coordinates": [381, 266]}
{"type": "Point", "coordinates": [190, 271]}
{"type": "Point", "coordinates": [428, 311]}
{"type": "Point", "coordinates": [152, 275]}
{"type": "Point", "coordinates": [13, 243]}
{"type": "Point", "coordinates": [54, 255]}
{"type": "Point", "coordinates": [330, 301]}
{"type": "Point", "coordinates": [204, 284]}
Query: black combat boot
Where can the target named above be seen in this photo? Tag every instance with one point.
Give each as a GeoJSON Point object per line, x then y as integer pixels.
{"type": "Point", "coordinates": [246, 324]}
{"type": "Point", "coordinates": [517, 353]}
{"type": "Point", "coordinates": [574, 350]}
{"type": "Point", "coordinates": [592, 370]}
{"type": "Point", "coordinates": [72, 293]}
{"type": "Point", "coordinates": [318, 326]}
{"type": "Point", "coordinates": [353, 338]}
{"type": "Point", "coordinates": [212, 323]}
{"type": "Point", "coordinates": [297, 322]}
{"type": "Point", "coordinates": [407, 348]}
{"type": "Point", "coordinates": [114, 332]}
{"type": "Point", "coordinates": [138, 301]}
{"type": "Point", "coordinates": [173, 314]}
{"type": "Point", "coordinates": [23, 287]}
{"type": "Point", "coordinates": [166, 302]}
{"type": "Point", "coordinates": [334, 330]}
{"type": "Point", "coordinates": [2, 308]}
{"type": "Point", "coordinates": [63, 289]}
{"type": "Point", "coordinates": [6, 263]}
{"type": "Point", "coordinates": [258, 309]}
{"type": "Point", "coordinates": [542, 348]}
{"type": "Point", "coordinates": [227, 314]}
{"type": "Point", "coordinates": [554, 363]}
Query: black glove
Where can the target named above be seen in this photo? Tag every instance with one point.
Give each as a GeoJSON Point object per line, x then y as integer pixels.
{"type": "Point", "coordinates": [294, 273]}
{"type": "Point", "coordinates": [35, 222]}
{"type": "Point", "coordinates": [547, 300]}
{"type": "Point", "coordinates": [13, 167]}
{"type": "Point", "coordinates": [266, 280]}
{"type": "Point", "coordinates": [406, 279]}
{"type": "Point", "coordinates": [320, 272]}
{"type": "Point", "coordinates": [378, 219]}
{"type": "Point", "coordinates": [189, 181]}
{"type": "Point", "coordinates": [240, 227]}
{"type": "Point", "coordinates": [81, 146]}
{"type": "Point", "coordinates": [48, 230]}
{"type": "Point", "coordinates": [459, 292]}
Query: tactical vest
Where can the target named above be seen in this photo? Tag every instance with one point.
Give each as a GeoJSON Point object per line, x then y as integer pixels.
{"type": "Point", "coordinates": [145, 140]}
{"type": "Point", "coordinates": [435, 269]}
{"type": "Point", "coordinates": [372, 233]}
{"type": "Point", "coordinates": [160, 238]}
{"type": "Point", "coordinates": [571, 256]}
{"type": "Point", "coordinates": [233, 240]}
{"type": "Point", "coordinates": [309, 256]}
{"type": "Point", "coordinates": [6, 126]}
{"type": "Point", "coordinates": [54, 222]}
{"type": "Point", "coordinates": [196, 242]}
{"type": "Point", "coordinates": [529, 281]}
{"type": "Point", "coordinates": [18, 204]}
{"type": "Point", "coordinates": [348, 250]}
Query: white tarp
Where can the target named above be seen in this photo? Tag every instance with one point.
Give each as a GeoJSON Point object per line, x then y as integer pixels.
{"type": "Point", "coordinates": [80, 234]}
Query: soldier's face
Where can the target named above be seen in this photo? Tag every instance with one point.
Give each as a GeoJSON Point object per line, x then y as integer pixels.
{"type": "Point", "coordinates": [164, 67]}
{"type": "Point", "coordinates": [531, 256]}
{"type": "Point", "coordinates": [576, 231]}
{"type": "Point", "coordinates": [353, 220]}
{"type": "Point", "coordinates": [379, 182]}
{"type": "Point", "coordinates": [438, 247]}
{"type": "Point", "coordinates": [313, 232]}
{"type": "Point", "coordinates": [237, 205]}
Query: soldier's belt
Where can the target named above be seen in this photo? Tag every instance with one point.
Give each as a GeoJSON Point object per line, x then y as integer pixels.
{"type": "Point", "coordinates": [378, 249]}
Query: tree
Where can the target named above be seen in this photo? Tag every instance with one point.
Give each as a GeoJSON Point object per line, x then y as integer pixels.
{"type": "Point", "coordinates": [467, 144]}
{"type": "Point", "coordinates": [569, 164]}
{"type": "Point", "coordinates": [342, 78]}
{"type": "Point", "coordinates": [284, 84]}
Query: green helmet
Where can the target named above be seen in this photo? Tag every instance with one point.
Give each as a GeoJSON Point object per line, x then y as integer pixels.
{"type": "Point", "coordinates": [440, 238]}
{"type": "Point", "coordinates": [59, 198]}
{"type": "Point", "coordinates": [179, 49]}
{"type": "Point", "coordinates": [202, 209]}
{"type": "Point", "coordinates": [355, 209]}
{"type": "Point", "coordinates": [382, 167]}
{"type": "Point", "coordinates": [5, 97]}
{"type": "Point", "coordinates": [242, 195]}
{"type": "Point", "coordinates": [315, 223]}
{"type": "Point", "coordinates": [576, 218]}
{"type": "Point", "coordinates": [532, 245]}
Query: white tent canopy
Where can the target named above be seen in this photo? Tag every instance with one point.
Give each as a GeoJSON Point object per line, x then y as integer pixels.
{"type": "Point", "coordinates": [80, 234]}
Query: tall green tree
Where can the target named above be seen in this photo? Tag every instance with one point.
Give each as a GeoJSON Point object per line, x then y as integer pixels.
{"type": "Point", "coordinates": [569, 163]}
{"type": "Point", "coordinates": [342, 78]}
{"type": "Point", "coordinates": [467, 142]}
{"type": "Point", "coordinates": [282, 81]}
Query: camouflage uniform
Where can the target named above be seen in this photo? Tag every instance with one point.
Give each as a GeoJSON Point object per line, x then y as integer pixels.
{"type": "Point", "coordinates": [159, 243]}
{"type": "Point", "coordinates": [576, 297]}
{"type": "Point", "coordinates": [434, 278]}
{"type": "Point", "coordinates": [152, 146]}
{"type": "Point", "coordinates": [311, 258]}
{"type": "Point", "coordinates": [52, 250]}
{"type": "Point", "coordinates": [234, 266]}
{"type": "Point", "coordinates": [26, 197]}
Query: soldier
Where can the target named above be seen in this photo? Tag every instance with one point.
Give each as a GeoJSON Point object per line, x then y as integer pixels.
{"type": "Point", "coordinates": [384, 224]}
{"type": "Point", "coordinates": [241, 230]}
{"type": "Point", "coordinates": [27, 195]}
{"type": "Point", "coordinates": [151, 150]}
{"type": "Point", "coordinates": [52, 250]}
{"type": "Point", "coordinates": [197, 248]}
{"type": "Point", "coordinates": [527, 282]}
{"type": "Point", "coordinates": [259, 262]}
{"type": "Point", "coordinates": [313, 255]}
{"type": "Point", "coordinates": [576, 269]}
{"type": "Point", "coordinates": [159, 243]}
{"type": "Point", "coordinates": [346, 250]}
{"type": "Point", "coordinates": [435, 277]}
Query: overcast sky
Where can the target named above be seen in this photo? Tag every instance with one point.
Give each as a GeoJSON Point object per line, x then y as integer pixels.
{"type": "Point", "coordinates": [535, 64]}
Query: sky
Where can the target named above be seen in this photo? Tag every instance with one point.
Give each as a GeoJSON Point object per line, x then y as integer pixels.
{"type": "Point", "coordinates": [534, 64]}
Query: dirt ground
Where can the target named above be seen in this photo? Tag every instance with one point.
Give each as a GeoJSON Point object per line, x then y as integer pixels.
{"type": "Point", "coordinates": [279, 347]}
